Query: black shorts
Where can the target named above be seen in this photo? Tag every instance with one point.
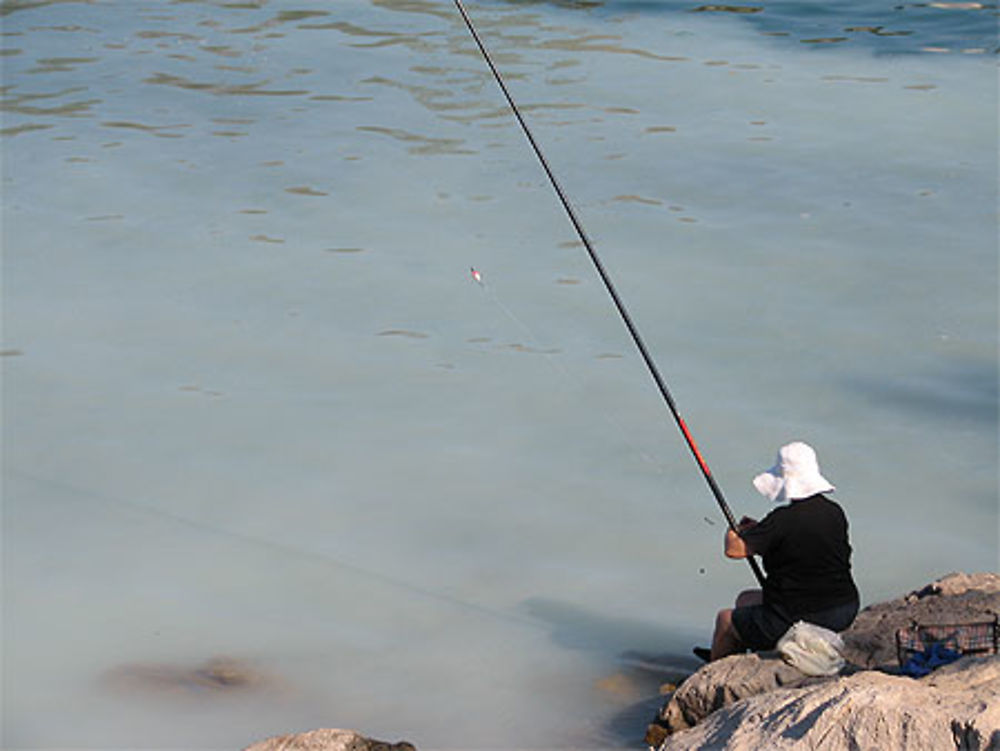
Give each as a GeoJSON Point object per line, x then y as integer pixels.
{"type": "Point", "coordinates": [760, 626]}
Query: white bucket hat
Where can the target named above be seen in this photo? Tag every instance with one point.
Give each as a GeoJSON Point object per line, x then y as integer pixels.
{"type": "Point", "coordinates": [795, 475]}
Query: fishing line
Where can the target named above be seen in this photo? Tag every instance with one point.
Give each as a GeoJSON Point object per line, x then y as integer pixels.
{"type": "Point", "coordinates": [281, 548]}
{"type": "Point", "coordinates": [610, 287]}
{"type": "Point", "coordinates": [561, 370]}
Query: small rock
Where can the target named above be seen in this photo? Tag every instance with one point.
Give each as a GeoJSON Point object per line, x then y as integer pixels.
{"type": "Point", "coordinates": [327, 739]}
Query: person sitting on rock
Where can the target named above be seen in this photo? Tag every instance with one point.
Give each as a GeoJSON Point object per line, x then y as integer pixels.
{"type": "Point", "coordinates": [806, 553]}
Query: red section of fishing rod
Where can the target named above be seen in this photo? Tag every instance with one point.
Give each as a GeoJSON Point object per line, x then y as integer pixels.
{"type": "Point", "coordinates": [609, 285]}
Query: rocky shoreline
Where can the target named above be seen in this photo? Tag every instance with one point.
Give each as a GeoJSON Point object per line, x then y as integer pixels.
{"type": "Point", "coordinates": [753, 701]}
{"type": "Point", "coordinates": [757, 701]}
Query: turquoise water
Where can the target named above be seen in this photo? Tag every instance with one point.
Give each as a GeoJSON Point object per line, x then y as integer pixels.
{"type": "Point", "coordinates": [255, 405]}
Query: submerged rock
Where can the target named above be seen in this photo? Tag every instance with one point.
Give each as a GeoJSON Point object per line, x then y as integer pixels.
{"type": "Point", "coordinates": [327, 739]}
{"type": "Point", "coordinates": [757, 701]}
{"type": "Point", "coordinates": [217, 674]}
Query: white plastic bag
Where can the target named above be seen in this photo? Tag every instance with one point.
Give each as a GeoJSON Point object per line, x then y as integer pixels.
{"type": "Point", "coordinates": [812, 649]}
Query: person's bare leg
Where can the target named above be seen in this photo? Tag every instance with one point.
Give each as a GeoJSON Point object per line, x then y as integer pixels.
{"type": "Point", "coordinates": [725, 640]}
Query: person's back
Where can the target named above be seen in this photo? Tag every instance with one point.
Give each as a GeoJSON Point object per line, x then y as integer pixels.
{"type": "Point", "coordinates": [806, 554]}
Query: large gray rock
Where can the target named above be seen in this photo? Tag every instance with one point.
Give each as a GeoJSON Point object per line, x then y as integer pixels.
{"type": "Point", "coordinates": [721, 684]}
{"type": "Point", "coordinates": [957, 707]}
{"type": "Point", "coordinates": [870, 642]}
{"type": "Point", "coordinates": [327, 739]}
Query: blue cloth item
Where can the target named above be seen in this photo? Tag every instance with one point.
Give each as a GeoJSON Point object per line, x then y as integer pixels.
{"type": "Point", "coordinates": [922, 663]}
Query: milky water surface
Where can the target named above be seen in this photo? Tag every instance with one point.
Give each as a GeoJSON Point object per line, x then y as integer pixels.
{"type": "Point", "coordinates": [255, 405]}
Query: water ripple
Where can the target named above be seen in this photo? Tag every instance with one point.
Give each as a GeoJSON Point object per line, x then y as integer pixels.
{"type": "Point", "coordinates": [22, 104]}
{"type": "Point", "coordinates": [420, 144]}
{"type": "Point", "coordinates": [220, 89]}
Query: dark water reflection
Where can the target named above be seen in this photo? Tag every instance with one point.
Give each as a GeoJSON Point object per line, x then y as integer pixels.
{"type": "Point", "coordinates": [241, 35]}
{"type": "Point", "coordinates": [962, 394]}
{"type": "Point", "coordinates": [879, 26]}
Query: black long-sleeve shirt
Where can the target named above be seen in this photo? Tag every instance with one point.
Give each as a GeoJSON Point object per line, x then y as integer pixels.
{"type": "Point", "coordinates": [806, 554]}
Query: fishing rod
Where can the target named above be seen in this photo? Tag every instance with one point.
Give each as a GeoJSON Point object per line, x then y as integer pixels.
{"type": "Point", "coordinates": [610, 287]}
